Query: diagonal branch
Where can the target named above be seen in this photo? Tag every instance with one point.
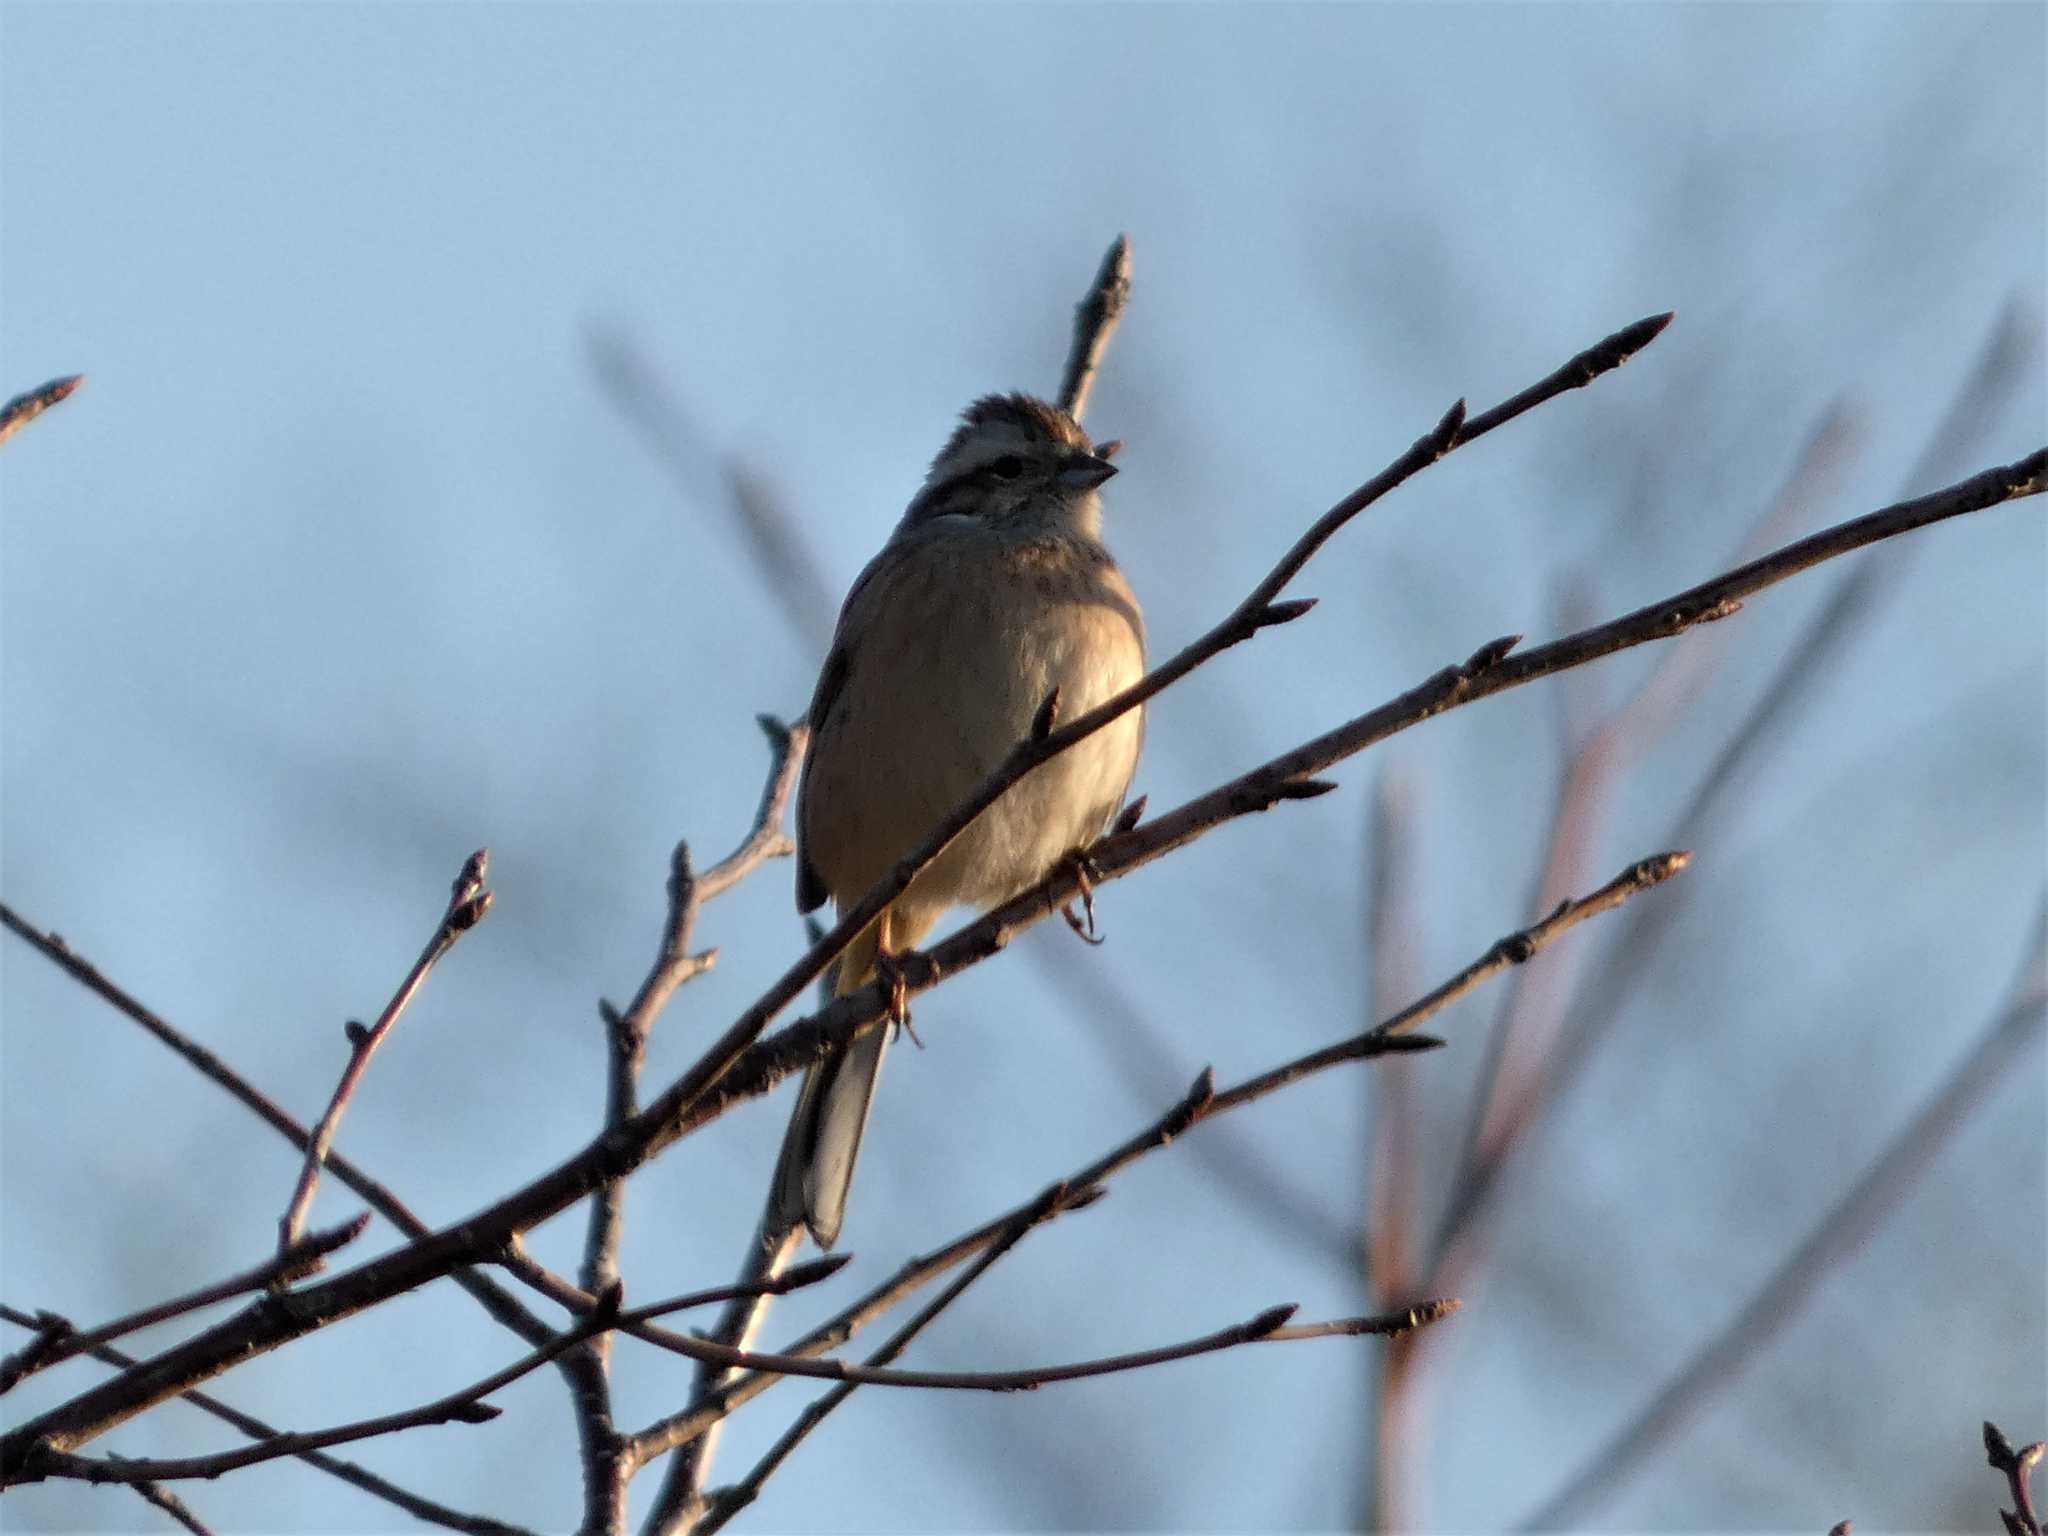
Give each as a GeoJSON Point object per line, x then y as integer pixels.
{"type": "Point", "coordinates": [1394, 1036]}
{"type": "Point", "coordinates": [690, 1102]}
{"type": "Point", "coordinates": [27, 406]}
{"type": "Point", "coordinates": [1594, 1009]}
{"type": "Point", "coordinates": [172, 1505]}
{"type": "Point", "coordinates": [503, 1307]}
{"type": "Point", "coordinates": [467, 903]}
{"type": "Point", "coordinates": [1095, 320]}
{"type": "Point", "coordinates": [306, 1256]}
{"type": "Point", "coordinates": [1904, 1160]}
{"type": "Point", "coordinates": [1257, 611]}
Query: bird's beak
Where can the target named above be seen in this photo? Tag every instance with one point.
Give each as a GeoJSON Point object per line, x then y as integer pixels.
{"type": "Point", "coordinates": [1084, 471]}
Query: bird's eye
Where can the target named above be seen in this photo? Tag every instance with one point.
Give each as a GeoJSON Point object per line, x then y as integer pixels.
{"type": "Point", "coordinates": [1008, 467]}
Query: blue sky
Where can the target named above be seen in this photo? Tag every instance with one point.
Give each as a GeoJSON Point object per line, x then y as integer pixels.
{"type": "Point", "coordinates": [344, 563]}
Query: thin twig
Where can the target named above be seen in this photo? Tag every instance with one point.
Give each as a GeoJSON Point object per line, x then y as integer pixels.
{"type": "Point", "coordinates": [1592, 1012]}
{"type": "Point", "coordinates": [466, 1406]}
{"type": "Point", "coordinates": [335, 1466]}
{"type": "Point", "coordinates": [1095, 321]}
{"type": "Point", "coordinates": [306, 1256]}
{"type": "Point", "coordinates": [727, 1502]}
{"type": "Point", "coordinates": [175, 1507]}
{"type": "Point", "coordinates": [605, 1469]}
{"type": "Point", "coordinates": [680, 1500]}
{"type": "Point", "coordinates": [26, 407]}
{"type": "Point", "coordinates": [469, 900]}
{"type": "Point", "coordinates": [691, 1101]}
{"type": "Point", "coordinates": [1393, 1036]}
{"type": "Point", "coordinates": [1536, 1008]}
{"type": "Point", "coordinates": [1491, 670]}
{"type": "Point", "coordinates": [675, 964]}
{"type": "Point", "coordinates": [1795, 1282]}
{"type": "Point", "coordinates": [2018, 1470]}
{"type": "Point", "coordinates": [1256, 612]}
{"type": "Point", "coordinates": [1270, 1323]}
{"type": "Point", "coordinates": [500, 1304]}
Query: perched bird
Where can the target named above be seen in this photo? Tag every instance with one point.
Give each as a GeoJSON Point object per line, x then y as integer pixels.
{"type": "Point", "coordinates": [994, 590]}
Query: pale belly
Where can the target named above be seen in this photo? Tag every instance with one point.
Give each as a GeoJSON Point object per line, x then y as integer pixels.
{"type": "Point", "coordinates": [929, 708]}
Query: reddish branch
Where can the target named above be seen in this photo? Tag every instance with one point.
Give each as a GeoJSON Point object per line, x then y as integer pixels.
{"type": "Point", "coordinates": [2018, 1025]}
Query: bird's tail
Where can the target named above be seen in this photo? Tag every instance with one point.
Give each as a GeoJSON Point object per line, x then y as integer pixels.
{"type": "Point", "coordinates": [819, 1150]}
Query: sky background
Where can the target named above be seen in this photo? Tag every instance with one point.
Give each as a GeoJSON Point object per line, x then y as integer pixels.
{"type": "Point", "coordinates": [346, 562]}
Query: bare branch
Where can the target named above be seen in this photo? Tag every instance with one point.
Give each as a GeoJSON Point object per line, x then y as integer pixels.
{"type": "Point", "coordinates": [306, 1256]}
{"type": "Point", "coordinates": [709, 1515]}
{"type": "Point", "coordinates": [172, 1505]}
{"type": "Point", "coordinates": [467, 1406]}
{"type": "Point", "coordinates": [1095, 321]}
{"type": "Point", "coordinates": [1391, 1037]}
{"type": "Point", "coordinates": [714, 1083]}
{"type": "Point", "coordinates": [26, 407]}
{"type": "Point", "coordinates": [502, 1306]}
{"type": "Point", "coordinates": [1241, 624]}
{"type": "Point", "coordinates": [469, 900]}
{"type": "Point", "coordinates": [1795, 1282]}
{"type": "Point", "coordinates": [348, 1471]}
{"type": "Point", "coordinates": [1592, 1012]}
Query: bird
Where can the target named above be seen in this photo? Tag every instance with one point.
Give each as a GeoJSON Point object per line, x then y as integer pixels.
{"type": "Point", "coordinates": [994, 591]}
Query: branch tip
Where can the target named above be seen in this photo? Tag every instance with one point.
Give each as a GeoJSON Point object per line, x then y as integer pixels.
{"type": "Point", "coordinates": [1444, 435]}
{"type": "Point", "coordinates": [1489, 655]}
{"type": "Point", "coordinates": [1271, 1320]}
{"type": "Point", "coordinates": [1282, 613]}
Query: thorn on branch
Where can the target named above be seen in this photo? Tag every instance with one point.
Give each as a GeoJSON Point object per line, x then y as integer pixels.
{"type": "Point", "coordinates": [1128, 818]}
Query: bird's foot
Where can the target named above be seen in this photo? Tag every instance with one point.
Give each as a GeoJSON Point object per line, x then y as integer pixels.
{"type": "Point", "coordinates": [1083, 868]}
{"type": "Point", "coordinates": [890, 972]}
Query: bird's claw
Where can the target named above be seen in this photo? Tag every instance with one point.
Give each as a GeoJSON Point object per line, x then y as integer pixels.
{"type": "Point", "coordinates": [892, 975]}
{"type": "Point", "coordinates": [1084, 871]}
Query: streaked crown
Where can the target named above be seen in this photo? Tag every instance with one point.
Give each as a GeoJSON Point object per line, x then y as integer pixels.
{"type": "Point", "coordinates": [998, 424]}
